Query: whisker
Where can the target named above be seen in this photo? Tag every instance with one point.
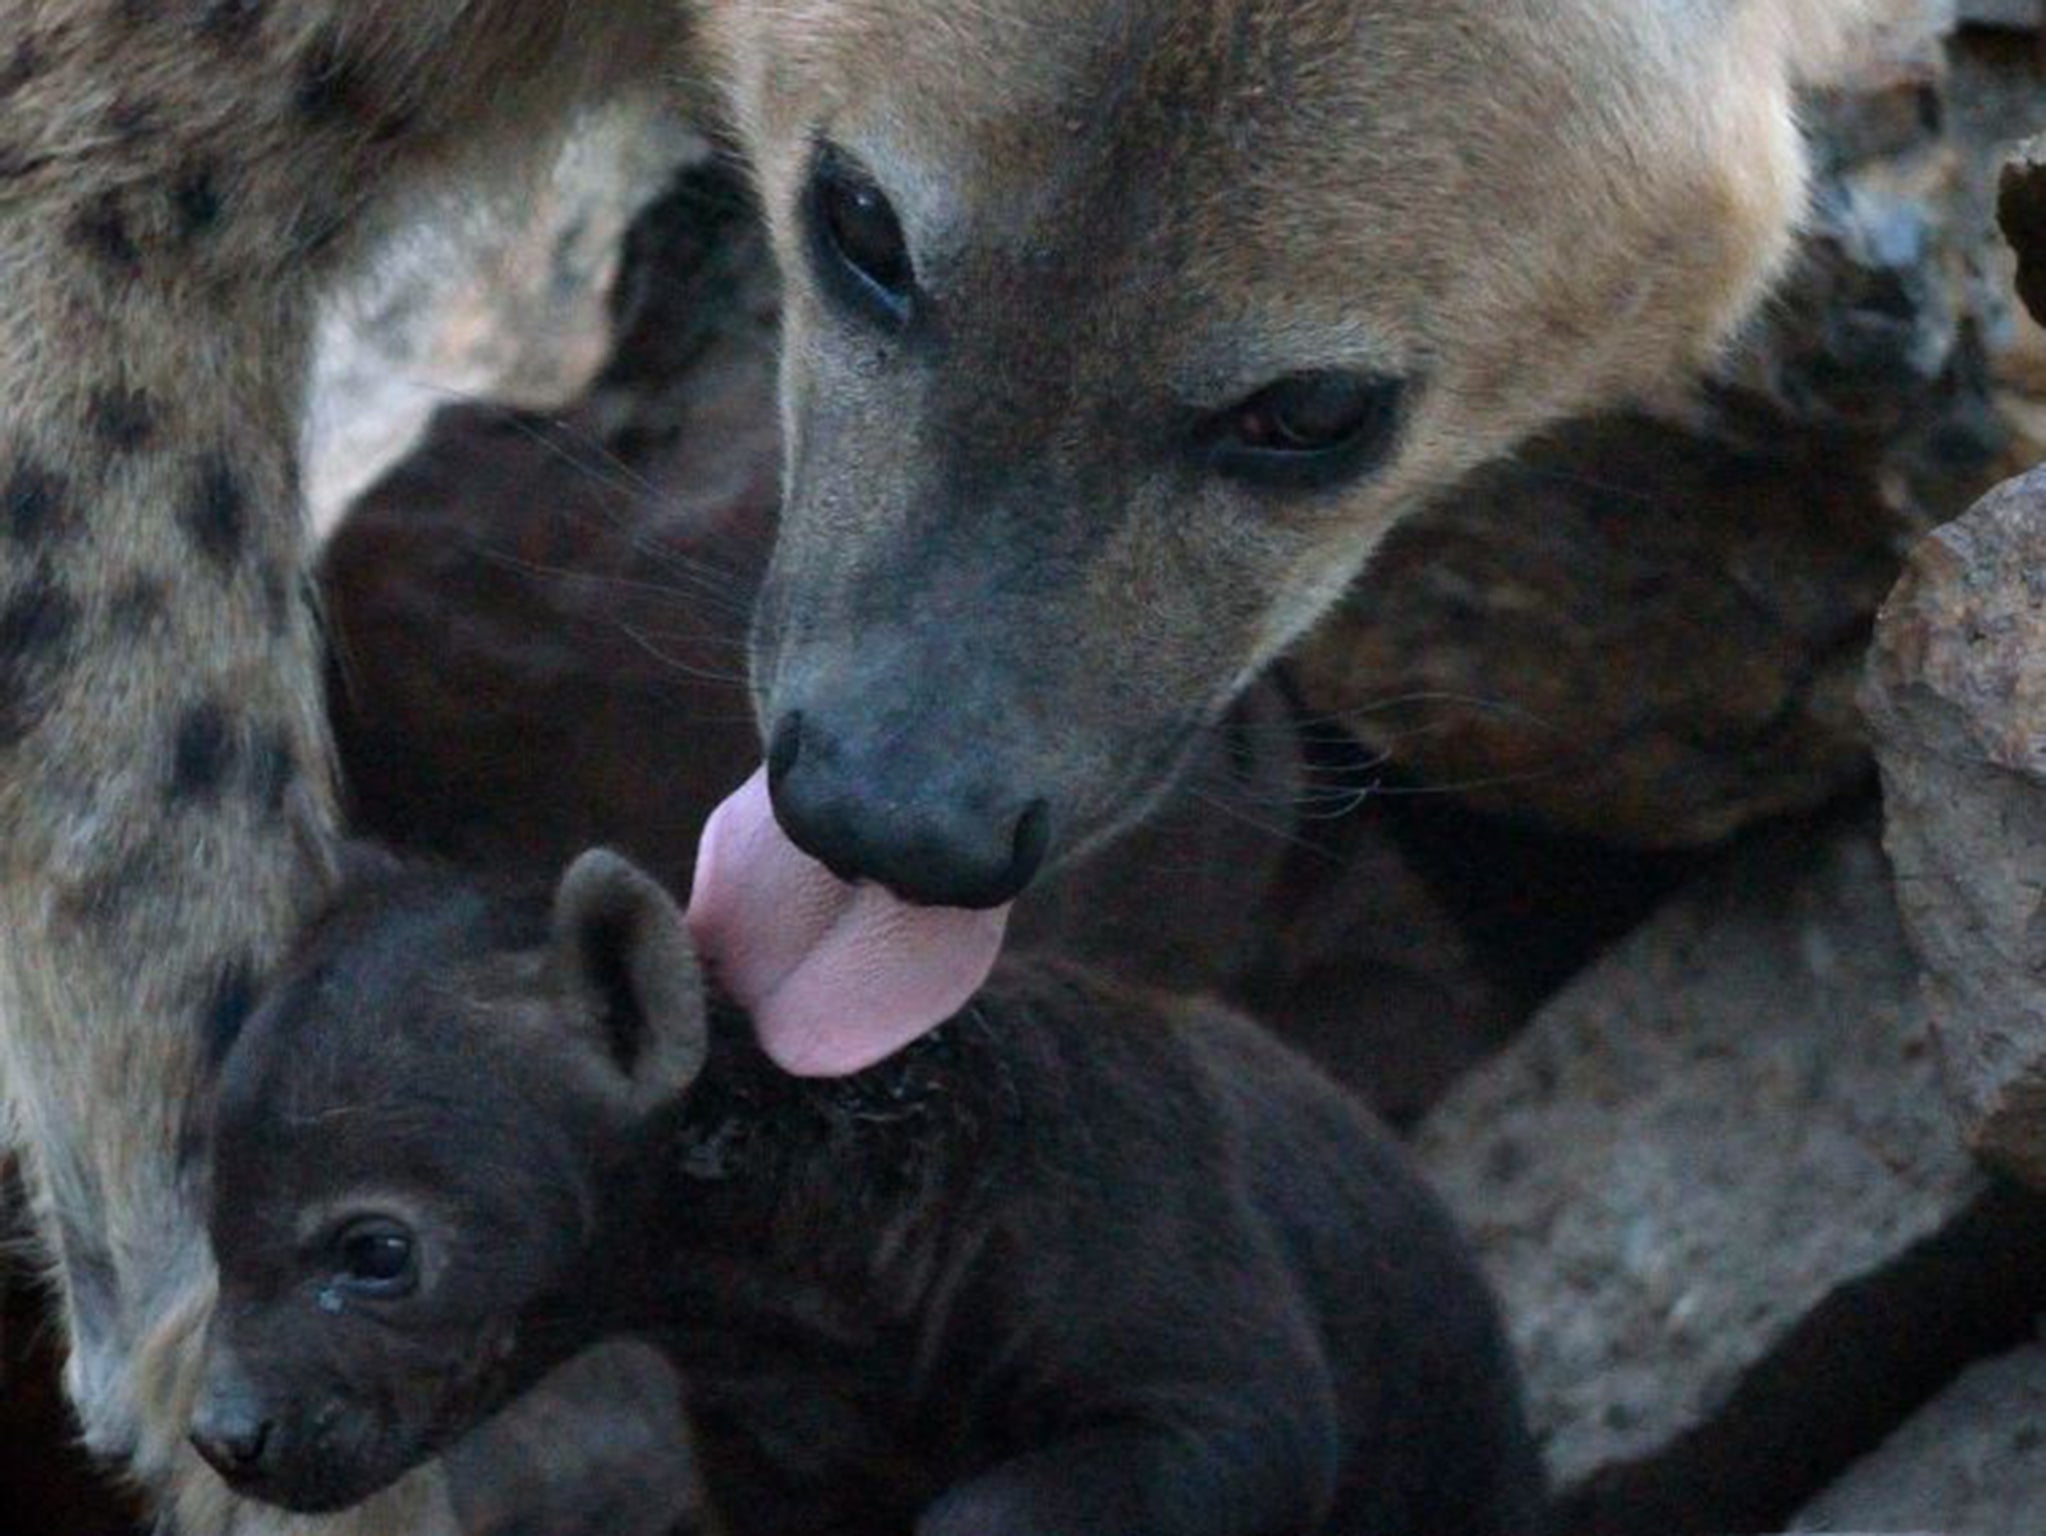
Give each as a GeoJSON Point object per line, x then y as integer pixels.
{"type": "Point", "coordinates": [676, 664]}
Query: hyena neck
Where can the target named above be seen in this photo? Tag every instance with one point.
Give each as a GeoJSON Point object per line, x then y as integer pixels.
{"type": "Point", "coordinates": [809, 1208]}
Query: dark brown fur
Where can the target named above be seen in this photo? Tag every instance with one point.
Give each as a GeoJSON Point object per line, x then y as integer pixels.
{"type": "Point", "coordinates": [1078, 1263]}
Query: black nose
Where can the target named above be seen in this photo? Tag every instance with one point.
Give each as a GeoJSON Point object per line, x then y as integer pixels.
{"type": "Point", "coordinates": [934, 832]}
{"type": "Point", "coordinates": [231, 1437]}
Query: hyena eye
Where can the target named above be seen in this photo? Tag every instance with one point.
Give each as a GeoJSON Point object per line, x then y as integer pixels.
{"type": "Point", "coordinates": [378, 1258]}
{"type": "Point", "coordinates": [1307, 430]}
{"type": "Point", "coordinates": [860, 248]}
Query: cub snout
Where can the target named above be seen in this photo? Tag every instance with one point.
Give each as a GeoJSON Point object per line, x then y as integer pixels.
{"type": "Point", "coordinates": [316, 1456]}
{"type": "Point", "coordinates": [232, 1431]}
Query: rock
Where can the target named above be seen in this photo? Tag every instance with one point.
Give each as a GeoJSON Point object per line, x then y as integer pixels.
{"type": "Point", "coordinates": [1589, 639]}
{"type": "Point", "coordinates": [1733, 1226]}
{"type": "Point", "coordinates": [1408, 937]}
{"type": "Point", "coordinates": [1733, 545]}
{"type": "Point", "coordinates": [1373, 971]}
{"type": "Point", "coordinates": [1995, 99]}
{"type": "Point", "coordinates": [512, 307]}
{"type": "Point", "coordinates": [2023, 15]}
{"type": "Point", "coordinates": [1957, 700]}
{"type": "Point", "coordinates": [2021, 212]}
{"type": "Point", "coordinates": [1973, 1463]}
{"type": "Point", "coordinates": [600, 1448]}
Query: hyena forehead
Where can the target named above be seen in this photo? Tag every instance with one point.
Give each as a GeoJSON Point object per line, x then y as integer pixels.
{"type": "Point", "coordinates": [398, 975]}
{"type": "Point", "coordinates": [1467, 178]}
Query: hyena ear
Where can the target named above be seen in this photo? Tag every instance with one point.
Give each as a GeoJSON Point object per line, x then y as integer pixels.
{"type": "Point", "coordinates": [626, 963]}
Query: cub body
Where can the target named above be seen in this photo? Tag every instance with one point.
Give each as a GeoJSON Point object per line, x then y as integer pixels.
{"type": "Point", "coordinates": [1078, 1262]}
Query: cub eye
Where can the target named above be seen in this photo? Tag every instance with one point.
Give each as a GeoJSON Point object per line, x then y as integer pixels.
{"type": "Point", "coordinates": [1309, 429]}
{"type": "Point", "coordinates": [379, 1257]}
{"type": "Point", "coordinates": [862, 250]}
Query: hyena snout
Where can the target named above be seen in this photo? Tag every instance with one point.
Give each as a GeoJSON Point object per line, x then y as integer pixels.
{"type": "Point", "coordinates": [869, 801]}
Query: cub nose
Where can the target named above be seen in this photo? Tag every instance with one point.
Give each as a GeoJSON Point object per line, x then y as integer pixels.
{"type": "Point", "coordinates": [935, 832]}
{"type": "Point", "coordinates": [231, 1437]}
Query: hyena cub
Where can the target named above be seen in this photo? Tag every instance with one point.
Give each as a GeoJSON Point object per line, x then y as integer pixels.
{"type": "Point", "coordinates": [1076, 1263]}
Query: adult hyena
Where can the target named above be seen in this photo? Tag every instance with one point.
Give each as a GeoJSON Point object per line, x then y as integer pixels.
{"type": "Point", "coordinates": [1119, 330]}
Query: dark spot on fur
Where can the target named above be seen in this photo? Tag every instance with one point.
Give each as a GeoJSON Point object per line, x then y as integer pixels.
{"type": "Point", "coordinates": [130, 119]}
{"type": "Point", "coordinates": [35, 505]}
{"type": "Point", "coordinates": [273, 769]}
{"type": "Point", "coordinates": [196, 198]}
{"type": "Point", "coordinates": [216, 516]}
{"type": "Point", "coordinates": [22, 66]}
{"type": "Point", "coordinates": [34, 627]}
{"type": "Point", "coordinates": [123, 419]}
{"type": "Point", "coordinates": [138, 607]}
{"type": "Point", "coordinates": [336, 88]}
{"type": "Point", "coordinates": [230, 999]}
{"type": "Point", "coordinates": [202, 754]}
{"type": "Point", "coordinates": [231, 23]}
{"type": "Point", "coordinates": [393, 123]}
{"type": "Point", "coordinates": [38, 621]}
{"type": "Point", "coordinates": [331, 87]}
{"type": "Point", "coordinates": [101, 226]}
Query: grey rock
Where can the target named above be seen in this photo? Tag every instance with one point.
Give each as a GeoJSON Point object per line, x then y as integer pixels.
{"type": "Point", "coordinates": [1973, 1463]}
{"type": "Point", "coordinates": [1957, 700]}
{"type": "Point", "coordinates": [1708, 1180]}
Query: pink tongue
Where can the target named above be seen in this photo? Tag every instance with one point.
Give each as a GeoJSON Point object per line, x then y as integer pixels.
{"type": "Point", "coordinates": [836, 976]}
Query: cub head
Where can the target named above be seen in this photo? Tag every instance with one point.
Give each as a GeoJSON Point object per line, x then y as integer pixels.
{"type": "Point", "coordinates": [1117, 333]}
{"type": "Point", "coordinates": [407, 1147]}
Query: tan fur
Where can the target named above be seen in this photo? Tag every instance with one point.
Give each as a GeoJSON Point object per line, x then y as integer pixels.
{"type": "Point", "coordinates": [1528, 208]}
{"type": "Point", "coordinates": [1543, 205]}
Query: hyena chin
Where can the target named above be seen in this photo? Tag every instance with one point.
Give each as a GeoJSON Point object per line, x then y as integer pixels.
{"type": "Point", "coordinates": [1118, 331]}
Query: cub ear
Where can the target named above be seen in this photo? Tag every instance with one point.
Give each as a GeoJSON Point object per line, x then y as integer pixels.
{"type": "Point", "coordinates": [625, 962]}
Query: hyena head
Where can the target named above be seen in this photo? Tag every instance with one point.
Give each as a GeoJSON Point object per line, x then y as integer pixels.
{"type": "Point", "coordinates": [1119, 331]}
{"type": "Point", "coordinates": [409, 1147]}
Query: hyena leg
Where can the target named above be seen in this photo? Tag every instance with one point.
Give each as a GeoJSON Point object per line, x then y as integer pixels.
{"type": "Point", "coordinates": [177, 178]}
{"type": "Point", "coordinates": [164, 805]}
